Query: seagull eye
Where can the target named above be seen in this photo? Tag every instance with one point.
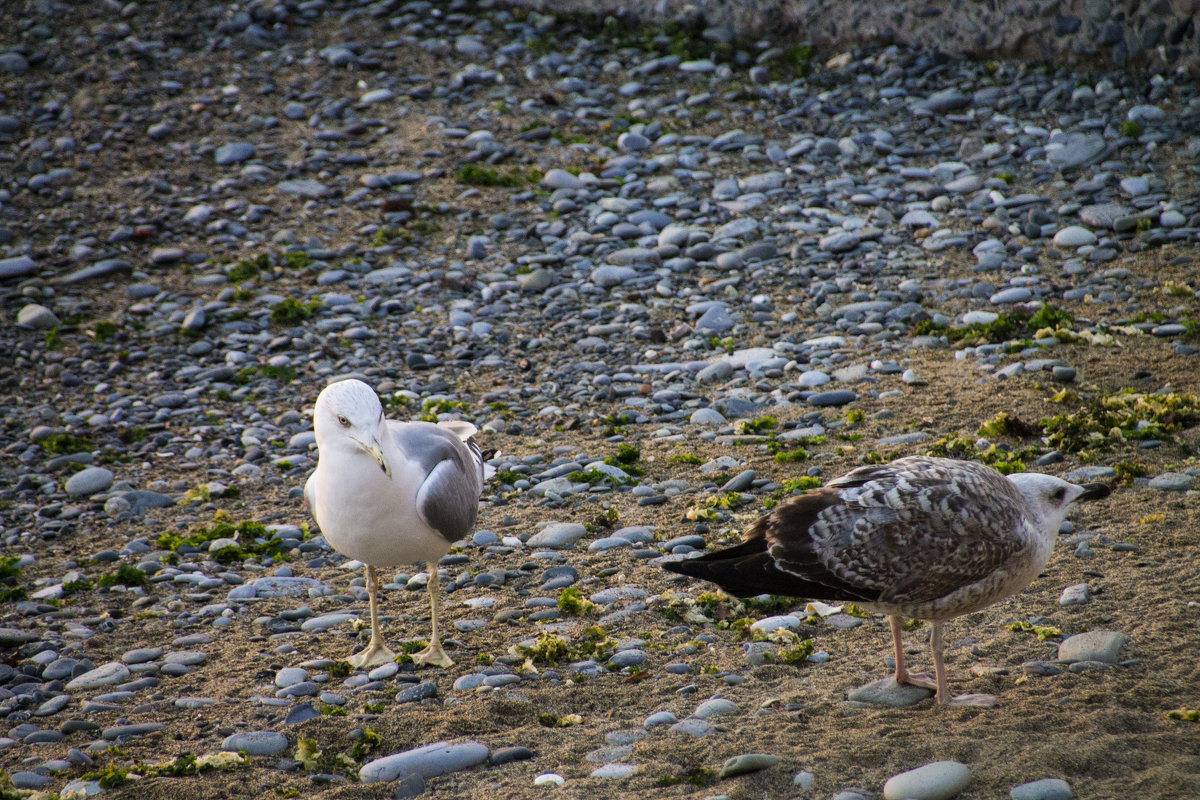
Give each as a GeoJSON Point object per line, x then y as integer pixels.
{"type": "Point", "coordinates": [345, 422]}
{"type": "Point", "coordinates": [1059, 493]}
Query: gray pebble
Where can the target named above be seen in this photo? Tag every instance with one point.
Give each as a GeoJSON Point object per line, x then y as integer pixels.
{"type": "Point", "coordinates": [426, 762]}
{"type": "Point", "coordinates": [89, 481]}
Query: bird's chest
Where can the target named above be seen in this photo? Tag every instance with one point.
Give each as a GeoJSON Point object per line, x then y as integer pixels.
{"type": "Point", "coordinates": [369, 516]}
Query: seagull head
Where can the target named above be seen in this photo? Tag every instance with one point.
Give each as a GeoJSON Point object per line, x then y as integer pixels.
{"type": "Point", "coordinates": [1051, 498]}
{"type": "Point", "coordinates": [349, 416]}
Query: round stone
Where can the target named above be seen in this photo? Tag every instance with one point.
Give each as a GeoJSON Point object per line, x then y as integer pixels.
{"type": "Point", "coordinates": [1172, 482]}
{"type": "Point", "coordinates": [1013, 294]}
{"type": "Point", "coordinates": [1074, 236]}
{"type": "Point", "coordinates": [105, 675]}
{"type": "Point", "coordinates": [89, 481]}
{"type": "Point", "coordinates": [714, 707]}
{"type": "Point", "coordinates": [233, 153]}
{"type": "Point", "coordinates": [706, 416]}
{"type": "Point", "coordinates": [290, 676]}
{"type": "Point", "coordinates": [940, 780]}
{"type": "Point", "coordinates": [256, 743]}
{"type": "Point", "coordinates": [1102, 646]}
{"type": "Point", "coordinates": [838, 397]}
{"type": "Point", "coordinates": [37, 316]}
{"type": "Point", "coordinates": [748, 762]}
{"type": "Point", "coordinates": [1045, 789]}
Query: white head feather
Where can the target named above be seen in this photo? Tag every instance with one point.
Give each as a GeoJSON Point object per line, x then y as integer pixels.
{"type": "Point", "coordinates": [1050, 498]}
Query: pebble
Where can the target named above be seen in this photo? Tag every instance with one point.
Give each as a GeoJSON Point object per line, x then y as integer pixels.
{"type": "Point", "coordinates": [886, 692]}
{"type": "Point", "coordinates": [256, 743]}
{"type": "Point", "coordinates": [1045, 789]}
{"type": "Point", "coordinates": [714, 707]}
{"type": "Point", "coordinates": [768, 624]}
{"type": "Point", "coordinates": [508, 755]}
{"type": "Point", "coordinates": [1074, 236]}
{"type": "Point", "coordinates": [37, 317]}
{"type": "Point", "coordinates": [290, 676]}
{"type": "Point", "coordinates": [134, 731]}
{"type": "Point", "coordinates": [1075, 595]}
{"type": "Point", "coordinates": [233, 153]}
{"type": "Point", "coordinates": [1172, 482]}
{"type": "Point", "coordinates": [659, 718]}
{"type": "Point", "coordinates": [89, 481]}
{"type": "Point", "coordinates": [747, 762]}
{"type": "Point", "coordinates": [1102, 646]}
{"type": "Point", "coordinates": [837, 397]}
{"type": "Point", "coordinates": [17, 267]}
{"type": "Point", "coordinates": [693, 727]}
{"type": "Point", "coordinates": [558, 536]}
{"type": "Point", "coordinates": [429, 761]}
{"type": "Point", "coordinates": [940, 780]}
{"type": "Point", "coordinates": [614, 771]}
{"type": "Point", "coordinates": [108, 674]}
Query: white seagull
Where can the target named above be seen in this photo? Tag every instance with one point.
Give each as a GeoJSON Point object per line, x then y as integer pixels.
{"type": "Point", "coordinates": [388, 493]}
{"type": "Point", "coordinates": [930, 538]}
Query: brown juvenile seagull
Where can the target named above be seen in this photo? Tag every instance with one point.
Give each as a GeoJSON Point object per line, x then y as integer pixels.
{"type": "Point", "coordinates": [930, 538]}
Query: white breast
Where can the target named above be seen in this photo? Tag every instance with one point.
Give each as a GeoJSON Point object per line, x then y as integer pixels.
{"type": "Point", "coordinates": [370, 517]}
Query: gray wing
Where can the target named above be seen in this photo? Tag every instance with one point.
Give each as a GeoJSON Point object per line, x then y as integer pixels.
{"type": "Point", "coordinates": [448, 498]}
{"type": "Point", "coordinates": [465, 432]}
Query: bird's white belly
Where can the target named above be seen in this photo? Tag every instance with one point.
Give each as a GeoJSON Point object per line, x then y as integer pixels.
{"type": "Point", "coordinates": [372, 518]}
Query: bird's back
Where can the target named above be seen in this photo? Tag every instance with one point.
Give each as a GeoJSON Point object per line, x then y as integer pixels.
{"type": "Point", "coordinates": [917, 533]}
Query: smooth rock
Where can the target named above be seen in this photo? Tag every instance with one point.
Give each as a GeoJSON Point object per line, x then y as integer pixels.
{"type": "Point", "coordinates": [698, 728]}
{"type": "Point", "coordinates": [89, 481]}
{"type": "Point", "coordinates": [1075, 595]}
{"type": "Point", "coordinates": [37, 317]}
{"type": "Point", "coordinates": [1074, 236]}
{"type": "Point", "coordinates": [747, 762]}
{"type": "Point", "coordinates": [305, 187]}
{"type": "Point", "coordinates": [886, 692]}
{"type": "Point", "coordinates": [1045, 789]}
{"type": "Point", "coordinates": [427, 762]}
{"type": "Point", "coordinates": [256, 743]}
{"type": "Point", "coordinates": [17, 267]}
{"type": "Point", "coordinates": [714, 707]}
{"type": "Point", "coordinates": [837, 397]}
{"type": "Point", "coordinates": [1171, 482]}
{"type": "Point", "coordinates": [558, 536]}
{"type": "Point", "coordinates": [1103, 646]}
{"type": "Point", "coordinates": [614, 771]}
{"type": "Point", "coordinates": [233, 153]}
{"type": "Point", "coordinates": [113, 672]}
{"type": "Point", "coordinates": [940, 780]}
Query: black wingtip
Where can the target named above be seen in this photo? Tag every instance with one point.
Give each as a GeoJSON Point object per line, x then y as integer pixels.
{"type": "Point", "coordinates": [679, 566]}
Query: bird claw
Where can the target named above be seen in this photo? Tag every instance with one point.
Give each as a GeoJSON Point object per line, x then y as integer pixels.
{"type": "Point", "coordinates": [432, 656]}
{"type": "Point", "coordinates": [375, 655]}
{"type": "Point", "coordinates": [922, 679]}
{"type": "Point", "coordinates": [975, 700]}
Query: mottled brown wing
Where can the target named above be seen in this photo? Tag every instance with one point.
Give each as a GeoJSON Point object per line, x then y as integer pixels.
{"type": "Point", "coordinates": [911, 531]}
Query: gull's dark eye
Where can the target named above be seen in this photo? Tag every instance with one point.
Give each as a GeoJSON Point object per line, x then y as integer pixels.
{"type": "Point", "coordinates": [1058, 494]}
{"type": "Point", "coordinates": [345, 422]}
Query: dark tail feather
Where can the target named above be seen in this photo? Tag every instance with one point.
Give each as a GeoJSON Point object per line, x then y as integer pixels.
{"type": "Point", "coordinates": [747, 570]}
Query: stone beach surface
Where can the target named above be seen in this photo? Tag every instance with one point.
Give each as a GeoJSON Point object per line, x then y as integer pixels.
{"type": "Point", "coordinates": [674, 275]}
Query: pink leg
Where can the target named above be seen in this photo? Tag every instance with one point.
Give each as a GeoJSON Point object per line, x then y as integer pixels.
{"type": "Point", "coordinates": [943, 696]}
{"type": "Point", "coordinates": [903, 675]}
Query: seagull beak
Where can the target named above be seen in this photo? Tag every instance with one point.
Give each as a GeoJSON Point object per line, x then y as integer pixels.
{"type": "Point", "coordinates": [376, 452]}
{"type": "Point", "coordinates": [1094, 491]}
